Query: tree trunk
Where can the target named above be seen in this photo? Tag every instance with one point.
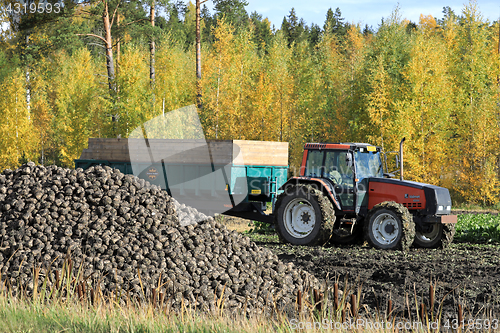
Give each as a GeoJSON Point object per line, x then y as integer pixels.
{"type": "Point", "coordinates": [118, 49]}
{"type": "Point", "coordinates": [28, 84]}
{"type": "Point", "coordinates": [198, 55]}
{"type": "Point", "coordinates": [152, 46]}
{"type": "Point", "coordinates": [109, 50]}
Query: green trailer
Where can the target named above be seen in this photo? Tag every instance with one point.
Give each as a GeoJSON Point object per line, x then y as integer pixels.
{"type": "Point", "coordinates": [233, 177]}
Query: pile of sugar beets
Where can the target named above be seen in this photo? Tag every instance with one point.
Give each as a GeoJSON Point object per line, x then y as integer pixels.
{"type": "Point", "coordinates": [125, 235]}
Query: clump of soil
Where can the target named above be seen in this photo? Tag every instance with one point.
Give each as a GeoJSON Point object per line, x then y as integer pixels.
{"type": "Point", "coordinates": [127, 233]}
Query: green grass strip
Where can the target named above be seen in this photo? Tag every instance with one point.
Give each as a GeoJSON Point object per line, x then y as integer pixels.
{"type": "Point", "coordinates": [25, 316]}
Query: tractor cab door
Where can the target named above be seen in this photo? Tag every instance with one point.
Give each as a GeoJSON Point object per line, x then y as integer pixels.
{"type": "Point", "coordinates": [349, 172]}
{"type": "Point", "coordinates": [341, 174]}
{"type": "Point", "coordinates": [367, 164]}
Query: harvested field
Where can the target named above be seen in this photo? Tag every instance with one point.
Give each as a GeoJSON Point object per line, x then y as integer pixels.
{"type": "Point", "coordinates": [465, 274]}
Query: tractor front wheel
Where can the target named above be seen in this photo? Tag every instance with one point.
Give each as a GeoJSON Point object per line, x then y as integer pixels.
{"type": "Point", "coordinates": [435, 236]}
{"type": "Point", "coordinates": [304, 216]}
{"type": "Point", "coordinates": [448, 235]}
{"type": "Point", "coordinates": [389, 225]}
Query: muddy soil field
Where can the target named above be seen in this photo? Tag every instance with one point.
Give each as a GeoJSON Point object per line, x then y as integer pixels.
{"type": "Point", "coordinates": [465, 274]}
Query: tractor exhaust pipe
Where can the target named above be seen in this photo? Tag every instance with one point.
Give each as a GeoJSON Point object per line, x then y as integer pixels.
{"type": "Point", "coordinates": [401, 159]}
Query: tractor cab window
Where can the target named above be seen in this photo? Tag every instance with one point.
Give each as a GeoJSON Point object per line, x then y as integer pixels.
{"type": "Point", "coordinates": [368, 164]}
{"type": "Point", "coordinates": [314, 165]}
{"type": "Point", "coordinates": [336, 168]}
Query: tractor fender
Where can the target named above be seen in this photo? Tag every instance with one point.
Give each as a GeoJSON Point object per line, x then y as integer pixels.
{"type": "Point", "coordinates": [321, 185]}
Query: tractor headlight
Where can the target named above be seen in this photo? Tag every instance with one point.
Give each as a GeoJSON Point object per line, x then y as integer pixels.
{"type": "Point", "coordinates": [440, 208]}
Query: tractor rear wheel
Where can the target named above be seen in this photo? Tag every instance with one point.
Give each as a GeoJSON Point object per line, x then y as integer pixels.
{"type": "Point", "coordinates": [430, 237]}
{"type": "Point", "coordinates": [304, 216]}
{"type": "Point", "coordinates": [389, 225]}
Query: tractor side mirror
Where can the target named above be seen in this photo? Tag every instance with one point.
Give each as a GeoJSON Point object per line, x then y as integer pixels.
{"type": "Point", "coordinates": [348, 160]}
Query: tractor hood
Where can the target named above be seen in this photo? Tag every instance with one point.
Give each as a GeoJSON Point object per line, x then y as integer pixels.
{"type": "Point", "coordinates": [428, 199]}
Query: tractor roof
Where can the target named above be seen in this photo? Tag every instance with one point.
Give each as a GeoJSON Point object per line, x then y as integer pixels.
{"type": "Point", "coordinates": [339, 145]}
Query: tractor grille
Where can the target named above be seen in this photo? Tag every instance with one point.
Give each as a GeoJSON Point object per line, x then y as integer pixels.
{"type": "Point", "coordinates": [412, 204]}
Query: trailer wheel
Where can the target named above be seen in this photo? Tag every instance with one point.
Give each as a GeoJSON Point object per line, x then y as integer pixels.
{"type": "Point", "coordinates": [430, 237]}
{"type": "Point", "coordinates": [304, 216]}
{"type": "Point", "coordinates": [389, 225]}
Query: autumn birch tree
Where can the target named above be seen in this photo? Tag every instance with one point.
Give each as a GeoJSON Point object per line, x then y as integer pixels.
{"type": "Point", "coordinates": [198, 53]}
{"type": "Point", "coordinates": [76, 104]}
{"type": "Point", "coordinates": [176, 84]}
{"type": "Point", "coordinates": [475, 68]}
{"type": "Point", "coordinates": [18, 140]}
{"type": "Point", "coordinates": [334, 119]}
{"type": "Point", "coordinates": [279, 61]}
{"type": "Point", "coordinates": [388, 58]}
{"type": "Point", "coordinates": [426, 108]}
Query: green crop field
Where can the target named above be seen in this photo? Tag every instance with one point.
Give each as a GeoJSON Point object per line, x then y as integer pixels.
{"type": "Point", "coordinates": [478, 228]}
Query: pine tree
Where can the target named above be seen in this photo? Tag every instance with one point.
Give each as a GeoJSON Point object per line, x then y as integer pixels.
{"type": "Point", "coordinates": [233, 11]}
{"type": "Point", "coordinates": [293, 28]}
{"type": "Point", "coordinates": [334, 23]}
{"type": "Point", "coordinates": [262, 31]}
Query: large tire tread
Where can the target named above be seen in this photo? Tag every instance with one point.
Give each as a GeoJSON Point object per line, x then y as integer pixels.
{"type": "Point", "coordinates": [406, 220]}
{"type": "Point", "coordinates": [326, 208]}
{"type": "Point", "coordinates": [446, 238]}
{"type": "Point", "coordinates": [448, 235]}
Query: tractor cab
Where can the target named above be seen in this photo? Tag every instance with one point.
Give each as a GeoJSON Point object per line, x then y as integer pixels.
{"type": "Point", "coordinates": [346, 167]}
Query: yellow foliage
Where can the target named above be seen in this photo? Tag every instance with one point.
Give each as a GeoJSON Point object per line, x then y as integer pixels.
{"type": "Point", "coordinates": [228, 81]}
{"type": "Point", "coordinates": [135, 104]}
{"type": "Point", "coordinates": [41, 109]}
{"type": "Point", "coordinates": [76, 117]}
{"type": "Point", "coordinates": [476, 70]}
{"type": "Point", "coordinates": [426, 110]}
{"type": "Point", "coordinates": [379, 105]}
{"type": "Point", "coordinates": [175, 76]}
{"type": "Point", "coordinates": [427, 23]}
{"type": "Point", "coordinates": [17, 133]}
{"type": "Point", "coordinates": [281, 83]}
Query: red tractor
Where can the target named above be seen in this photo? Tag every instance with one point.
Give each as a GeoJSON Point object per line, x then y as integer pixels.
{"type": "Point", "coordinates": [343, 195]}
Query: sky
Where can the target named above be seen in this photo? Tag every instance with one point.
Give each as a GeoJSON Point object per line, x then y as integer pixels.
{"type": "Point", "coordinates": [361, 12]}
{"type": "Point", "coordinates": [364, 12]}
